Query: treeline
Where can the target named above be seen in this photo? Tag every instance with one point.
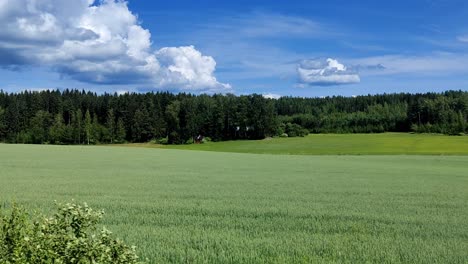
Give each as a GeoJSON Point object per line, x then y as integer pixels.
{"type": "Point", "coordinates": [444, 113]}
{"type": "Point", "coordinates": [79, 117]}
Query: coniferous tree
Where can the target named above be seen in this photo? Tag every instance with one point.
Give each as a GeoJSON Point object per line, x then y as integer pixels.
{"type": "Point", "coordinates": [32, 116]}
{"type": "Point", "coordinates": [13, 120]}
{"type": "Point", "coordinates": [173, 125]}
{"type": "Point", "coordinates": [141, 129]}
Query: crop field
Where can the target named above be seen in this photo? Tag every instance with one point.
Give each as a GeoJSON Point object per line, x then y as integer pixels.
{"type": "Point", "coordinates": [343, 144]}
{"type": "Point", "coordinates": [181, 206]}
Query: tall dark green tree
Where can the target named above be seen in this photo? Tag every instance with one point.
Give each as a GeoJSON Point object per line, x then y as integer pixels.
{"type": "Point", "coordinates": [188, 120]}
{"type": "Point", "coordinates": [13, 120]}
{"type": "Point", "coordinates": [32, 116]}
{"type": "Point", "coordinates": [141, 129]}
{"type": "Point", "coordinates": [173, 122]}
{"type": "Point", "coordinates": [262, 118]}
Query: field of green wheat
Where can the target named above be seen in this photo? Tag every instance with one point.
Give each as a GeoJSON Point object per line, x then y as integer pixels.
{"type": "Point", "coordinates": [181, 206]}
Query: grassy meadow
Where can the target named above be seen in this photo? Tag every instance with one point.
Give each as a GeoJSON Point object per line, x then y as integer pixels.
{"type": "Point", "coordinates": [343, 144]}
{"type": "Point", "coordinates": [181, 206]}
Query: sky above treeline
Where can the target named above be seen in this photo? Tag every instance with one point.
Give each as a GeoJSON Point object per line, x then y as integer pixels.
{"type": "Point", "coordinates": [274, 48]}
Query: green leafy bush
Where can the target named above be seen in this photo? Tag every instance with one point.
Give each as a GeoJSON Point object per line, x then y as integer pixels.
{"type": "Point", "coordinates": [163, 141]}
{"type": "Point", "coordinates": [69, 236]}
{"type": "Point", "coordinates": [295, 130]}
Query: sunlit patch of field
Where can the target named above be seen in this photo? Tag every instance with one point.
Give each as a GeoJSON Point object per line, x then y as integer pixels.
{"type": "Point", "coordinates": [343, 144]}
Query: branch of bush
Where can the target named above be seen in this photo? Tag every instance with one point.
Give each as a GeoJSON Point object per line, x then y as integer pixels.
{"type": "Point", "coordinates": [69, 236]}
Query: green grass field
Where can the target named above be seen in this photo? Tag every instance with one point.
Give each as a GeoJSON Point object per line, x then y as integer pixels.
{"type": "Point", "coordinates": [339, 144]}
{"type": "Point", "coordinates": [207, 207]}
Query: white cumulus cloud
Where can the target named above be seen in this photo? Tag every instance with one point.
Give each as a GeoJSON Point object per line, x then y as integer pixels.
{"type": "Point", "coordinates": [325, 72]}
{"type": "Point", "coordinates": [187, 67]}
{"type": "Point", "coordinates": [97, 42]}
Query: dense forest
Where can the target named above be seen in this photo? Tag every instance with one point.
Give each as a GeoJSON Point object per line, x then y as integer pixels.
{"type": "Point", "coordinates": [79, 117]}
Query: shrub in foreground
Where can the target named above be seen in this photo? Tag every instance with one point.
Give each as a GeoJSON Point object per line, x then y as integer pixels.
{"type": "Point", "coordinates": [69, 236]}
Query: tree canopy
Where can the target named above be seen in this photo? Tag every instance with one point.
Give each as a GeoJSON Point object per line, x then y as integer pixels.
{"type": "Point", "coordinates": [79, 117]}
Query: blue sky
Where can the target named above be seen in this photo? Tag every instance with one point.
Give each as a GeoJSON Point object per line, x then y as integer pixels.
{"type": "Point", "coordinates": [298, 48]}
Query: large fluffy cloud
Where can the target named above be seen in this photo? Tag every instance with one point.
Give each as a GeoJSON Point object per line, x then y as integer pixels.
{"type": "Point", "coordinates": [98, 42]}
{"type": "Point", "coordinates": [187, 67]}
{"type": "Point", "coordinates": [325, 72]}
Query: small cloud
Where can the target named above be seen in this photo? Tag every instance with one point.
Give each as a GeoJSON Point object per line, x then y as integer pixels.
{"type": "Point", "coordinates": [433, 63]}
{"type": "Point", "coordinates": [271, 96]}
{"type": "Point", "coordinates": [372, 67]}
{"type": "Point", "coordinates": [122, 92]}
{"type": "Point", "coordinates": [261, 25]}
{"type": "Point", "coordinates": [327, 72]}
{"type": "Point", "coordinates": [463, 38]}
{"type": "Point", "coordinates": [300, 85]}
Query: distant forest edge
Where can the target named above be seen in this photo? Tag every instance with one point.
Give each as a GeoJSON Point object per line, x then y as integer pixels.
{"type": "Point", "coordinates": [79, 117]}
